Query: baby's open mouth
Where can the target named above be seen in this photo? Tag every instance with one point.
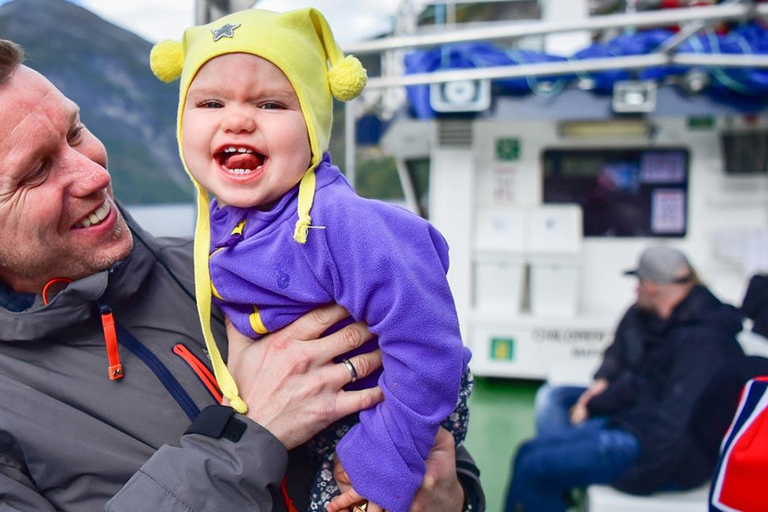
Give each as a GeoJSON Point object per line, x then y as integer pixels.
{"type": "Point", "coordinates": [239, 159]}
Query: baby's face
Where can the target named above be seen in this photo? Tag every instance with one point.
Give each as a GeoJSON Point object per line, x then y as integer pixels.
{"type": "Point", "coordinates": [244, 137]}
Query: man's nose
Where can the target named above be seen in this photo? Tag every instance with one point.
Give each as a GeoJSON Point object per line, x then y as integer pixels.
{"type": "Point", "coordinates": [238, 122]}
{"type": "Point", "coordinates": [87, 175]}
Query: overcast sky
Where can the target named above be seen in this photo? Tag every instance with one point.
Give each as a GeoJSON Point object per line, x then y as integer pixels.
{"type": "Point", "coordinates": [155, 20]}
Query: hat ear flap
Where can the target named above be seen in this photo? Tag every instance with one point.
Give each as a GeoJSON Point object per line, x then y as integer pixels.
{"type": "Point", "coordinates": [167, 60]}
{"type": "Point", "coordinates": [347, 76]}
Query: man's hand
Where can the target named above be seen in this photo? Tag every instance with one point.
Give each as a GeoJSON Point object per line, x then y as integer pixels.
{"type": "Point", "coordinates": [579, 412]}
{"type": "Point", "coordinates": [595, 389]}
{"type": "Point", "coordinates": [440, 490]}
{"type": "Point", "coordinates": [289, 380]}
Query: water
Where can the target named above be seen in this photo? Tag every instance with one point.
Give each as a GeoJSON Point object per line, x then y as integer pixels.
{"type": "Point", "coordinates": [177, 219]}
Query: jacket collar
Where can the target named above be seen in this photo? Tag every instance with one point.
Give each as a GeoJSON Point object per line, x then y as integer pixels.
{"type": "Point", "coordinates": [77, 302]}
{"type": "Point", "coordinates": [701, 307]}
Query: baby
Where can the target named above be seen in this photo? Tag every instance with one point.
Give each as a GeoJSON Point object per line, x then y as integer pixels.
{"type": "Point", "coordinates": [254, 121]}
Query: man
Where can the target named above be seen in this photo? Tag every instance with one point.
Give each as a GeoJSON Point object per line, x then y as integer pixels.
{"type": "Point", "coordinates": [559, 407]}
{"type": "Point", "coordinates": [633, 434]}
{"type": "Point", "coordinates": [100, 352]}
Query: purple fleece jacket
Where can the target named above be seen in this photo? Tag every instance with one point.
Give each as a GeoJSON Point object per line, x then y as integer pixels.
{"type": "Point", "coordinates": [387, 267]}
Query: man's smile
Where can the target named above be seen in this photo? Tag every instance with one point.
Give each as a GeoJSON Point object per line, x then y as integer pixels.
{"type": "Point", "coordinates": [95, 217]}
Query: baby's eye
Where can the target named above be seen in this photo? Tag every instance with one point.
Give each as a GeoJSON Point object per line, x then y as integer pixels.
{"type": "Point", "coordinates": [271, 105]}
{"type": "Point", "coordinates": [210, 104]}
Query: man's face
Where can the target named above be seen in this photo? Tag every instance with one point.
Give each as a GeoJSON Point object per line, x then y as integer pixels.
{"type": "Point", "coordinates": [244, 137]}
{"type": "Point", "coordinates": [57, 215]}
{"type": "Point", "coordinates": [645, 292]}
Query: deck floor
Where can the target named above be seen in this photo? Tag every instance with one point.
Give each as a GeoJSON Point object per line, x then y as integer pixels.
{"type": "Point", "coordinates": [501, 416]}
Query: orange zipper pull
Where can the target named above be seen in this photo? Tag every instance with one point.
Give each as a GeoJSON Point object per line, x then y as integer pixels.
{"type": "Point", "coordinates": [110, 339]}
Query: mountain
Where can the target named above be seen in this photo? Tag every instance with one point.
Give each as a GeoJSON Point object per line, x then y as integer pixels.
{"type": "Point", "coordinates": [105, 69]}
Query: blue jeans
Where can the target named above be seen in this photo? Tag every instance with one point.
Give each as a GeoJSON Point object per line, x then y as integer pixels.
{"type": "Point", "coordinates": [552, 405]}
{"type": "Point", "coordinates": [547, 467]}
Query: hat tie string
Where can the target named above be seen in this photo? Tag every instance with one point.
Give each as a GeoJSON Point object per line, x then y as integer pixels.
{"type": "Point", "coordinates": [306, 198]}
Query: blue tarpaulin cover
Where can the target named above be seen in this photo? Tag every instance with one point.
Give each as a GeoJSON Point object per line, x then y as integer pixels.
{"type": "Point", "coordinates": [725, 84]}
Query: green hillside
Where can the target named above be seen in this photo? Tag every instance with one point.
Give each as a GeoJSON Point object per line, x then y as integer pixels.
{"type": "Point", "coordinates": [105, 69]}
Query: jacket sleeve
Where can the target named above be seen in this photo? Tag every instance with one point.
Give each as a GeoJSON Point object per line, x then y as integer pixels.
{"type": "Point", "coordinates": [614, 356]}
{"type": "Point", "coordinates": [205, 473]}
{"type": "Point", "coordinates": [611, 364]}
{"type": "Point", "coordinates": [388, 268]}
{"type": "Point", "coordinates": [619, 395]}
{"type": "Point", "coordinates": [469, 476]}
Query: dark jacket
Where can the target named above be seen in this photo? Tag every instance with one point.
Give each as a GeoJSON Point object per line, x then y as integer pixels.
{"type": "Point", "coordinates": [681, 355]}
{"type": "Point", "coordinates": [626, 350]}
{"type": "Point", "coordinates": [622, 361]}
{"type": "Point", "coordinates": [714, 411]}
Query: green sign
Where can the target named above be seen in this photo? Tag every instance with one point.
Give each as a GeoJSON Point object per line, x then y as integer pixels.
{"type": "Point", "coordinates": [502, 349]}
{"type": "Point", "coordinates": [701, 123]}
{"type": "Point", "coordinates": [507, 150]}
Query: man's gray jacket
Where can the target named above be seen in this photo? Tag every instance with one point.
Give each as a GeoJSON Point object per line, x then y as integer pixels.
{"type": "Point", "coordinates": [71, 439]}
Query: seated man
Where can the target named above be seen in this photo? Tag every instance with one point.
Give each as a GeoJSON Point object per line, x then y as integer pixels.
{"type": "Point", "coordinates": [107, 400]}
{"type": "Point", "coordinates": [640, 443]}
{"type": "Point", "coordinates": [556, 406]}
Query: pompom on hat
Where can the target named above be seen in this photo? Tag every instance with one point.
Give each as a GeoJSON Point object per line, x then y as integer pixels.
{"type": "Point", "coordinates": [301, 44]}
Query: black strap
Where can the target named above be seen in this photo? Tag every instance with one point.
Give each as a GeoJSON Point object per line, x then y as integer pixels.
{"type": "Point", "coordinates": [218, 421]}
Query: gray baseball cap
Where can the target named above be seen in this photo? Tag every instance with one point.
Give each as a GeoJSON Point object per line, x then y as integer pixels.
{"type": "Point", "coordinates": [663, 265]}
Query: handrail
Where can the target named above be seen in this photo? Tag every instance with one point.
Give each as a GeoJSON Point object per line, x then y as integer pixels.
{"type": "Point", "coordinates": [725, 12]}
{"type": "Point", "coordinates": [573, 67]}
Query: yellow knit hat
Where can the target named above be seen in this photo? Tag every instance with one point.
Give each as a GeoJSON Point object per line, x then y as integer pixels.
{"type": "Point", "coordinates": [298, 42]}
{"type": "Point", "coordinates": [301, 44]}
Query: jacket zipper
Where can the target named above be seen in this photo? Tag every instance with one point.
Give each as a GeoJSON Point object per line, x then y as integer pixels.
{"type": "Point", "coordinates": [164, 375]}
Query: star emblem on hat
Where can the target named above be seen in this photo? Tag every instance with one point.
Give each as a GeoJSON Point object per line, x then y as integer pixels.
{"type": "Point", "coordinates": [227, 30]}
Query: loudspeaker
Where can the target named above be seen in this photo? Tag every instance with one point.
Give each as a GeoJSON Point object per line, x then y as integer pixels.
{"type": "Point", "coordinates": [461, 96]}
